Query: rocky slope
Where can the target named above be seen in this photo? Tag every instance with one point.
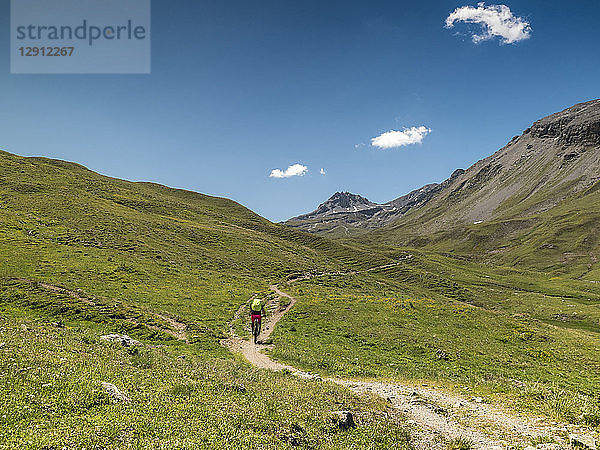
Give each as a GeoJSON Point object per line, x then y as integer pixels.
{"type": "Point", "coordinates": [557, 158]}
{"type": "Point", "coordinates": [537, 199]}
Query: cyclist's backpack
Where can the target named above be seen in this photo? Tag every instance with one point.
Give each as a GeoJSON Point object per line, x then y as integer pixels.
{"type": "Point", "coordinates": [256, 305]}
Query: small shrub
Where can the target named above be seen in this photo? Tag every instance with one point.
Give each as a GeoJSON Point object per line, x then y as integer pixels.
{"type": "Point", "coordinates": [142, 360]}
{"type": "Point", "coordinates": [460, 443]}
{"type": "Point", "coordinates": [183, 390]}
{"type": "Point", "coordinates": [133, 350]}
{"type": "Point", "coordinates": [562, 405]}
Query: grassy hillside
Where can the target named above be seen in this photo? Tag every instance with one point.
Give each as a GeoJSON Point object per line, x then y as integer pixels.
{"type": "Point", "coordinates": [51, 397]}
{"type": "Point", "coordinates": [561, 240]}
{"type": "Point", "coordinates": [85, 255]}
{"type": "Point", "coordinates": [518, 337]}
{"type": "Point", "coordinates": [188, 255]}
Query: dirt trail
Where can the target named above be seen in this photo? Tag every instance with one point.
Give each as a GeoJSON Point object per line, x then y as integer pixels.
{"type": "Point", "coordinates": [74, 294]}
{"type": "Point", "coordinates": [254, 353]}
{"type": "Point", "coordinates": [177, 330]}
{"type": "Point", "coordinates": [309, 276]}
{"type": "Point", "coordinates": [435, 417]}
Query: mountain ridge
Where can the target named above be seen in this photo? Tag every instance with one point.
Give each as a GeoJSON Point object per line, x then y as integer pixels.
{"type": "Point", "coordinates": [345, 209]}
{"type": "Point", "coordinates": [556, 157]}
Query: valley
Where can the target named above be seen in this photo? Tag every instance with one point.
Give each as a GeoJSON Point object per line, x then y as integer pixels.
{"type": "Point", "coordinates": [483, 289]}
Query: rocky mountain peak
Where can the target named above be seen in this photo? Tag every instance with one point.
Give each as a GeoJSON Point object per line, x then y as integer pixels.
{"type": "Point", "coordinates": [351, 211]}
{"type": "Point", "coordinates": [347, 200]}
{"type": "Point", "coordinates": [340, 203]}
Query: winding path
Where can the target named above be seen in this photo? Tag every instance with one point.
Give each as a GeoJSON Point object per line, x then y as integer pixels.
{"type": "Point", "coordinates": [434, 417]}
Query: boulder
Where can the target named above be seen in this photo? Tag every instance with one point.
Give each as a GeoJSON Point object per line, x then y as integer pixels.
{"type": "Point", "coordinates": [114, 393]}
{"type": "Point", "coordinates": [582, 441]}
{"type": "Point", "coordinates": [343, 419]}
{"type": "Point", "coordinates": [122, 339]}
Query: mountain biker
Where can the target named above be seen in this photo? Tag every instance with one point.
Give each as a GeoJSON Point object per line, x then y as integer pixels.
{"type": "Point", "coordinates": [257, 311]}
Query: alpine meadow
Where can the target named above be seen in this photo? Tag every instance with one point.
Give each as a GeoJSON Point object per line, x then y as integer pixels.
{"type": "Point", "coordinates": [299, 225]}
{"type": "Point", "coordinates": [87, 256]}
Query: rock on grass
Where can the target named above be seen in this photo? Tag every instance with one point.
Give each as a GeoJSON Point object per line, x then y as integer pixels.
{"type": "Point", "coordinates": [582, 441]}
{"type": "Point", "coordinates": [114, 393]}
{"type": "Point", "coordinates": [343, 419]}
{"type": "Point", "coordinates": [122, 339]}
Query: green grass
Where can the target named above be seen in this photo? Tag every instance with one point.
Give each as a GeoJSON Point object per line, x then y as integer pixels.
{"type": "Point", "coordinates": [495, 335]}
{"type": "Point", "coordinates": [52, 397]}
{"type": "Point", "coordinates": [161, 250]}
{"type": "Point", "coordinates": [146, 253]}
{"type": "Point", "coordinates": [142, 251]}
{"type": "Point", "coordinates": [562, 240]}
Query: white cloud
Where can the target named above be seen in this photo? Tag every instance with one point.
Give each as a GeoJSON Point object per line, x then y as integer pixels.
{"type": "Point", "coordinates": [392, 139]}
{"type": "Point", "coordinates": [322, 171]}
{"type": "Point", "coordinates": [495, 20]}
{"type": "Point", "coordinates": [295, 170]}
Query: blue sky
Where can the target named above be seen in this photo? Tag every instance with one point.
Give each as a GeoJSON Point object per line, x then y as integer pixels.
{"type": "Point", "coordinates": [240, 88]}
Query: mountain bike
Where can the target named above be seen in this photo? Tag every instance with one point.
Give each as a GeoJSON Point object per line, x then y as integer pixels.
{"type": "Point", "coordinates": [256, 325]}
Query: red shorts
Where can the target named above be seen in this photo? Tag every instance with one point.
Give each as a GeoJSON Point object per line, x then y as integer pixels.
{"type": "Point", "coordinates": [255, 317]}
